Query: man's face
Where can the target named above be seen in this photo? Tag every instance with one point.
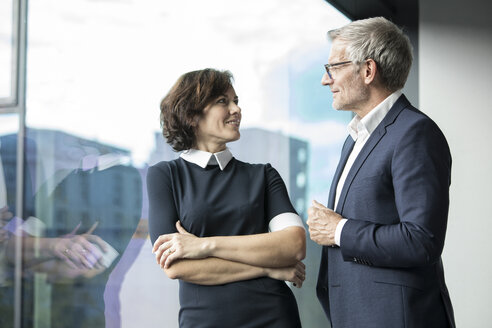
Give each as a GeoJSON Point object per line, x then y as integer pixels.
{"type": "Point", "coordinates": [346, 84]}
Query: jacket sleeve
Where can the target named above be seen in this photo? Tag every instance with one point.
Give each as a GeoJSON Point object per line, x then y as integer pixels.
{"type": "Point", "coordinates": [420, 171]}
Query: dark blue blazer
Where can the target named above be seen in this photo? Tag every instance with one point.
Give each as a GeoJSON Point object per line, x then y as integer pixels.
{"type": "Point", "coordinates": [388, 270]}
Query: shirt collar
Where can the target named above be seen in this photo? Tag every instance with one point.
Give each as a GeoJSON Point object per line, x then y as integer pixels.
{"type": "Point", "coordinates": [369, 122]}
{"type": "Point", "coordinates": [204, 158]}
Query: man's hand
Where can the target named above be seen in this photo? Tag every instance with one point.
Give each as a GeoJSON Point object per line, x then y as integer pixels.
{"type": "Point", "coordinates": [322, 224]}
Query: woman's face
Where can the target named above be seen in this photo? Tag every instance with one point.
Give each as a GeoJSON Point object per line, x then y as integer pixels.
{"type": "Point", "coordinates": [219, 123]}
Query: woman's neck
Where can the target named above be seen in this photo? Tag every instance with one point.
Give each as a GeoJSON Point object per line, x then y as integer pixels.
{"type": "Point", "coordinates": [211, 148]}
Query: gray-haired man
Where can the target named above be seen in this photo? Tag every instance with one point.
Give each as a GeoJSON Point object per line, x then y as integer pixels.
{"type": "Point", "coordinates": [381, 261]}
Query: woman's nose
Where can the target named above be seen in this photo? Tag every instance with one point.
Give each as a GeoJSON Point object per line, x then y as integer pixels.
{"type": "Point", "coordinates": [235, 109]}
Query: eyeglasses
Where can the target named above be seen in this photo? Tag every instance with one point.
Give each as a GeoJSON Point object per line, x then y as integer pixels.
{"type": "Point", "coordinates": [331, 71]}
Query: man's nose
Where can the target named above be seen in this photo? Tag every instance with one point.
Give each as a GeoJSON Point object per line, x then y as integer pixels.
{"type": "Point", "coordinates": [326, 80]}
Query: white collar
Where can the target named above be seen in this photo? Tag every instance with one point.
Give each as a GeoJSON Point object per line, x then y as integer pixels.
{"type": "Point", "coordinates": [374, 117]}
{"type": "Point", "coordinates": [204, 158]}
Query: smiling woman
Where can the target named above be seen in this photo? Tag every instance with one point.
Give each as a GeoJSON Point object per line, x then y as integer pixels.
{"type": "Point", "coordinates": [225, 228]}
{"type": "Point", "coordinates": [220, 123]}
{"type": "Point", "coordinates": [201, 111]}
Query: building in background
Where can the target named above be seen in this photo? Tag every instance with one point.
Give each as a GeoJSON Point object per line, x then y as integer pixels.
{"type": "Point", "coordinates": [288, 155]}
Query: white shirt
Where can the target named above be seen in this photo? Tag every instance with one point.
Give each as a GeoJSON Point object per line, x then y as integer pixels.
{"type": "Point", "coordinates": [203, 158]}
{"type": "Point", "coordinates": [360, 129]}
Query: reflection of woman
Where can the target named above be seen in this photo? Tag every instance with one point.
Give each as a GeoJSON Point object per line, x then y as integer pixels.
{"type": "Point", "coordinates": [210, 214]}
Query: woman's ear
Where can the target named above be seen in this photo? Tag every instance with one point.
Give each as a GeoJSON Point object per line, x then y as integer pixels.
{"type": "Point", "coordinates": [194, 122]}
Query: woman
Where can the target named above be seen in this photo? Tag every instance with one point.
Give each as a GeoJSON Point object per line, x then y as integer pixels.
{"type": "Point", "coordinates": [210, 215]}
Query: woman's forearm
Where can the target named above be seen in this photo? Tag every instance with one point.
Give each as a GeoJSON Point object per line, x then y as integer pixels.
{"type": "Point", "coordinates": [274, 249]}
{"type": "Point", "coordinates": [213, 271]}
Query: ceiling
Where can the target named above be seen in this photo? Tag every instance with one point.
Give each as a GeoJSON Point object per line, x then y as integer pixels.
{"type": "Point", "coordinates": [395, 10]}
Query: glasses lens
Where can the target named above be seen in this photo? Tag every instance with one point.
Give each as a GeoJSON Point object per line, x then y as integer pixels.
{"type": "Point", "coordinates": [328, 71]}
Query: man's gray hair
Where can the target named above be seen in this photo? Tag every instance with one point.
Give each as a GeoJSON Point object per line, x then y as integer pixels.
{"type": "Point", "coordinates": [378, 39]}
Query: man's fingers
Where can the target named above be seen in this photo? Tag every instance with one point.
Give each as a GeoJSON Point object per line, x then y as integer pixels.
{"type": "Point", "coordinates": [311, 211]}
{"type": "Point", "coordinates": [318, 205]}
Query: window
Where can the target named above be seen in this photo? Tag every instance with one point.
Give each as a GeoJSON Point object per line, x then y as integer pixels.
{"type": "Point", "coordinates": [10, 43]}
{"type": "Point", "coordinates": [97, 71]}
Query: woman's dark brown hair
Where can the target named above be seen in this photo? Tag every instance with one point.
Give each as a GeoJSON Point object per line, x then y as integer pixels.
{"type": "Point", "coordinates": [183, 106]}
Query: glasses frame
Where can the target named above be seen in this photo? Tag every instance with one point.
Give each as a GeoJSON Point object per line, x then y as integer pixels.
{"type": "Point", "coordinates": [329, 66]}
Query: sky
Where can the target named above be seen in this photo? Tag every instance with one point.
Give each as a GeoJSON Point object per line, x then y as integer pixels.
{"type": "Point", "coordinates": [6, 29]}
{"type": "Point", "coordinates": [98, 69]}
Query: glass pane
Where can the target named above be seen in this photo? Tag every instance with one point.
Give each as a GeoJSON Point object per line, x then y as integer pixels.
{"type": "Point", "coordinates": [7, 46]}
{"type": "Point", "coordinates": [8, 167]}
{"type": "Point", "coordinates": [96, 74]}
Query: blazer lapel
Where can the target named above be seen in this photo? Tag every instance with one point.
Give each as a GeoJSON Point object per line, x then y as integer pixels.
{"type": "Point", "coordinates": [373, 140]}
{"type": "Point", "coordinates": [346, 150]}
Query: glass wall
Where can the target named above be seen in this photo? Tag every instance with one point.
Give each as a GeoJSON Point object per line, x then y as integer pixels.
{"type": "Point", "coordinates": [9, 124]}
{"type": "Point", "coordinates": [9, 59]}
{"type": "Point", "coordinates": [96, 72]}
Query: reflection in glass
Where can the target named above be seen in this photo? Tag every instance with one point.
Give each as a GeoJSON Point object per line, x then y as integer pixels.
{"type": "Point", "coordinates": [8, 159]}
{"type": "Point", "coordinates": [71, 231]}
{"type": "Point", "coordinates": [96, 73]}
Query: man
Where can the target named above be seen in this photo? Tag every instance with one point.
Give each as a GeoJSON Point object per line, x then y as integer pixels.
{"type": "Point", "coordinates": [381, 261]}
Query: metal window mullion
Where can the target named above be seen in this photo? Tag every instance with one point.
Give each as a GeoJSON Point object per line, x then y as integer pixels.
{"type": "Point", "coordinates": [21, 110]}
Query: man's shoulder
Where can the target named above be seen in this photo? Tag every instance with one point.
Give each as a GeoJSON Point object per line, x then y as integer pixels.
{"type": "Point", "coordinates": [404, 113]}
{"type": "Point", "coordinates": [412, 124]}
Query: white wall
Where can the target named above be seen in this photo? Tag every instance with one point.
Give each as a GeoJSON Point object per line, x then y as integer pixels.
{"type": "Point", "coordinates": [455, 50]}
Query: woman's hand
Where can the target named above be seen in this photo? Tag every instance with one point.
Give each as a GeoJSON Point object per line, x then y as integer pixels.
{"type": "Point", "coordinates": [170, 247]}
{"type": "Point", "coordinates": [295, 274]}
{"type": "Point", "coordinates": [85, 250]}
{"type": "Point", "coordinates": [77, 251]}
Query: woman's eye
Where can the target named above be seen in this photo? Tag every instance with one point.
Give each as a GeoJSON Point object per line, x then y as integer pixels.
{"type": "Point", "coordinates": [222, 101]}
